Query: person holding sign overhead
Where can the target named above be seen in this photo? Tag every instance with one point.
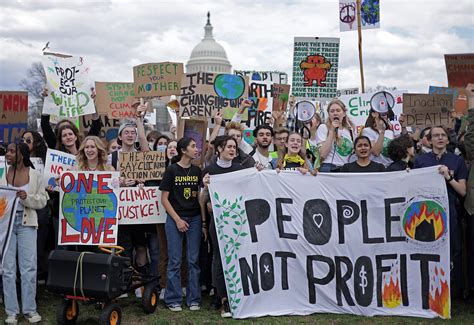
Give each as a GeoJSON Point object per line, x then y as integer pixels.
{"type": "Point", "coordinates": [32, 194]}
{"type": "Point", "coordinates": [180, 197]}
{"type": "Point", "coordinates": [335, 138]}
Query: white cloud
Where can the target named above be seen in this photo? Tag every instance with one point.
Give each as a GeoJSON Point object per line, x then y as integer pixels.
{"type": "Point", "coordinates": [407, 52]}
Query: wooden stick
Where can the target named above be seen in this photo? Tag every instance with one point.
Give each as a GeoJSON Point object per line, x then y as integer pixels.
{"type": "Point", "coordinates": [359, 31]}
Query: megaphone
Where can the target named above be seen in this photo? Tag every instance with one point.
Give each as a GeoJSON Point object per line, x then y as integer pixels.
{"type": "Point", "coordinates": [305, 111]}
{"type": "Point", "coordinates": [383, 103]}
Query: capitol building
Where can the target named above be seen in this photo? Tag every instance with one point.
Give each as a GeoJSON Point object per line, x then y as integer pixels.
{"type": "Point", "coordinates": [208, 55]}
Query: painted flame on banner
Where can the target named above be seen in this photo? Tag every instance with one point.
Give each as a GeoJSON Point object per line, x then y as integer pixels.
{"type": "Point", "coordinates": [391, 293]}
{"type": "Point", "coordinates": [439, 299]}
{"type": "Point", "coordinates": [3, 206]}
{"type": "Point", "coordinates": [425, 221]}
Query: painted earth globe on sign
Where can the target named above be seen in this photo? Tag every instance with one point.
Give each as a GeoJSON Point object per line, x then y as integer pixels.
{"type": "Point", "coordinates": [229, 86]}
{"type": "Point", "coordinates": [82, 205]}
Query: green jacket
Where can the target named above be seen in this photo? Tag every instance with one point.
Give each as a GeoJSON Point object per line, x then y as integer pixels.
{"type": "Point", "coordinates": [469, 144]}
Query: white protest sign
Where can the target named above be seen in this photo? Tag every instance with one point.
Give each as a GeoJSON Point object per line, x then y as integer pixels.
{"type": "Point", "coordinates": [57, 162]}
{"type": "Point", "coordinates": [335, 243]}
{"type": "Point", "coordinates": [140, 206]}
{"type": "Point", "coordinates": [67, 79]}
{"type": "Point", "coordinates": [358, 108]}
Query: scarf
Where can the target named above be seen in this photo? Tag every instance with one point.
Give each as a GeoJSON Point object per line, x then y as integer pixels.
{"type": "Point", "coordinates": [223, 163]}
{"type": "Point", "coordinates": [293, 159]}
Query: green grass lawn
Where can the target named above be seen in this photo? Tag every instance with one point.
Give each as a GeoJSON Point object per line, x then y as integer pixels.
{"type": "Point", "coordinates": [462, 313]}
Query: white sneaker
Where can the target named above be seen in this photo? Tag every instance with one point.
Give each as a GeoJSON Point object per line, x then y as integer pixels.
{"type": "Point", "coordinates": [11, 319]}
{"type": "Point", "coordinates": [162, 294]}
{"type": "Point", "coordinates": [123, 296]}
{"type": "Point", "coordinates": [33, 317]}
{"type": "Point", "coordinates": [175, 308]}
{"type": "Point", "coordinates": [194, 307]}
{"type": "Point", "coordinates": [138, 292]}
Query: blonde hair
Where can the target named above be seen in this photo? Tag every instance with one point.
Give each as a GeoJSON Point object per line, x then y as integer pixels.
{"type": "Point", "coordinates": [101, 154]}
{"type": "Point", "coordinates": [346, 121]}
{"type": "Point", "coordinates": [233, 126]}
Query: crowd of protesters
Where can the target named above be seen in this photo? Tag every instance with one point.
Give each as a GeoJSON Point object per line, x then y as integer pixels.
{"type": "Point", "coordinates": [183, 253]}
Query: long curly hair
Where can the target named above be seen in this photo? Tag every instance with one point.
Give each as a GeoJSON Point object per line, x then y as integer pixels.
{"type": "Point", "coordinates": [101, 154]}
{"type": "Point", "coordinates": [59, 141]}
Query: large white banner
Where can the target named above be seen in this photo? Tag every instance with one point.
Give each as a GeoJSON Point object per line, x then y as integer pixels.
{"type": "Point", "coordinates": [8, 204]}
{"type": "Point", "coordinates": [334, 243]}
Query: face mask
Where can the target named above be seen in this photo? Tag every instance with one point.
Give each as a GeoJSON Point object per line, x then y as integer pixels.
{"type": "Point", "coordinates": [161, 148]}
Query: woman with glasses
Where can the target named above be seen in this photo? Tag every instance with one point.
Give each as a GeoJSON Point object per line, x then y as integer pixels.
{"type": "Point", "coordinates": [380, 132]}
{"type": "Point", "coordinates": [32, 196]}
{"type": "Point", "coordinates": [37, 148]}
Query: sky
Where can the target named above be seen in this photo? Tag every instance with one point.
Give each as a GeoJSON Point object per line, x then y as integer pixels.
{"type": "Point", "coordinates": [407, 52]}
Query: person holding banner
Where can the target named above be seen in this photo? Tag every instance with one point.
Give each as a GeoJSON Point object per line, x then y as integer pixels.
{"type": "Point", "coordinates": [179, 196]}
{"type": "Point", "coordinates": [401, 150]}
{"type": "Point", "coordinates": [363, 164]}
{"type": "Point", "coordinates": [455, 173]}
{"type": "Point", "coordinates": [292, 158]}
{"type": "Point", "coordinates": [33, 196]}
{"type": "Point", "coordinates": [335, 138]}
{"type": "Point", "coordinates": [226, 147]}
{"type": "Point", "coordinates": [263, 135]}
{"type": "Point", "coordinates": [379, 130]}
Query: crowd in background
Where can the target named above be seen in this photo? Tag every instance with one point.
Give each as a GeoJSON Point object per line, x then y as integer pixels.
{"type": "Point", "coordinates": [183, 253]}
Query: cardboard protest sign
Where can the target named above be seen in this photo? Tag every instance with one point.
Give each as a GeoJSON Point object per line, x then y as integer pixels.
{"type": "Point", "coordinates": [109, 127]}
{"type": "Point", "coordinates": [203, 93]}
{"type": "Point", "coordinates": [358, 108]}
{"type": "Point", "coordinates": [195, 128]}
{"type": "Point", "coordinates": [140, 205]}
{"type": "Point", "coordinates": [460, 69]}
{"type": "Point", "coordinates": [461, 104]}
{"type": "Point", "coordinates": [143, 166]}
{"type": "Point", "coordinates": [8, 205]}
{"type": "Point", "coordinates": [280, 94]}
{"type": "Point", "coordinates": [277, 77]}
{"type": "Point", "coordinates": [369, 14]}
{"type": "Point", "coordinates": [422, 110]}
{"type": "Point", "coordinates": [13, 115]}
{"type": "Point", "coordinates": [158, 79]}
{"type": "Point", "coordinates": [56, 163]}
{"type": "Point", "coordinates": [115, 99]}
{"type": "Point", "coordinates": [67, 79]}
{"type": "Point", "coordinates": [336, 243]}
{"type": "Point", "coordinates": [88, 208]}
{"type": "Point", "coordinates": [315, 66]}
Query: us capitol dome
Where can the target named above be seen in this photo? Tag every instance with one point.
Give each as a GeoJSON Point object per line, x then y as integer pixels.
{"type": "Point", "coordinates": [208, 55]}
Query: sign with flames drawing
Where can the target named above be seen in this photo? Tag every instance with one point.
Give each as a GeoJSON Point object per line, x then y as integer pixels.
{"type": "Point", "coordinates": [353, 244]}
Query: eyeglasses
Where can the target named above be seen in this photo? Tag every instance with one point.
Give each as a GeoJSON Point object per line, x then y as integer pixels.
{"type": "Point", "coordinates": [129, 132]}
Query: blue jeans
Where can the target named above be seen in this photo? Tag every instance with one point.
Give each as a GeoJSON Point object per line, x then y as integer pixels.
{"type": "Point", "coordinates": [153, 250]}
{"type": "Point", "coordinates": [173, 293]}
{"type": "Point", "coordinates": [23, 242]}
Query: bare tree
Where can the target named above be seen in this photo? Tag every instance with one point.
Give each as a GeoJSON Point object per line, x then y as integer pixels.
{"type": "Point", "coordinates": [34, 83]}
